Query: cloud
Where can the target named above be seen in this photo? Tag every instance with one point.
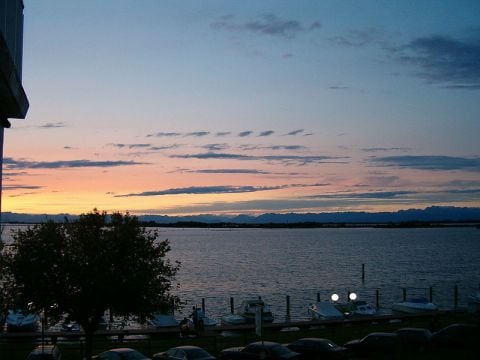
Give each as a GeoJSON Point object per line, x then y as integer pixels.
{"type": "Point", "coordinates": [21, 187]}
{"type": "Point", "coordinates": [24, 164]}
{"type": "Point", "coordinates": [266, 133]}
{"type": "Point", "coordinates": [223, 133]}
{"type": "Point", "coordinates": [164, 147]}
{"type": "Point", "coordinates": [131, 146]}
{"type": "Point", "coordinates": [360, 38]}
{"type": "Point", "coordinates": [377, 149]}
{"type": "Point", "coordinates": [215, 147]}
{"type": "Point", "coordinates": [434, 163]}
{"type": "Point", "coordinates": [245, 133]}
{"type": "Point", "coordinates": [197, 133]}
{"type": "Point", "coordinates": [365, 195]}
{"type": "Point", "coordinates": [165, 134]}
{"type": "Point", "coordinates": [52, 125]}
{"type": "Point", "coordinates": [286, 147]}
{"type": "Point", "coordinates": [443, 60]}
{"type": "Point", "coordinates": [230, 171]}
{"type": "Point", "coordinates": [294, 132]}
{"type": "Point", "coordinates": [282, 158]}
{"type": "Point", "coordinates": [268, 24]}
{"type": "Point", "coordinates": [202, 190]}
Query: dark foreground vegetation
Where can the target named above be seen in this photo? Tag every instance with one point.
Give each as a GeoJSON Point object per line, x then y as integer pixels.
{"type": "Point", "coordinates": [18, 348]}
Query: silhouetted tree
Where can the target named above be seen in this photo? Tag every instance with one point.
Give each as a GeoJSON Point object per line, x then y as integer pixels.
{"type": "Point", "coordinates": [95, 263]}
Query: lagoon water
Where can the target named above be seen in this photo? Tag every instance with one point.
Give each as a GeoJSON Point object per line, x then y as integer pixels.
{"type": "Point", "coordinates": [272, 263]}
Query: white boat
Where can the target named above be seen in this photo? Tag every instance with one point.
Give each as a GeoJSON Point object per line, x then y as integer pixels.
{"type": "Point", "coordinates": [324, 310]}
{"type": "Point", "coordinates": [233, 319]}
{"type": "Point", "coordinates": [248, 309]}
{"type": "Point", "coordinates": [68, 325]}
{"type": "Point", "coordinates": [18, 320]}
{"type": "Point", "coordinates": [162, 320]}
{"type": "Point", "coordinates": [414, 305]}
{"type": "Point", "coordinates": [357, 308]}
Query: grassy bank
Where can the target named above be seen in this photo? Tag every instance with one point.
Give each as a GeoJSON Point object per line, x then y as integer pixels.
{"type": "Point", "coordinates": [18, 348]}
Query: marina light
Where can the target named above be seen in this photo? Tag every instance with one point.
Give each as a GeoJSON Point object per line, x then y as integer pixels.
{"type": "Point", "coordinates": [352, 296]}
{"type": "Point", "coordinates": [334, 297]}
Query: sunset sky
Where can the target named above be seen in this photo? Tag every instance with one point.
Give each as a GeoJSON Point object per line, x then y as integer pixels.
{"type": "Point", "coordinates": [189, 107]}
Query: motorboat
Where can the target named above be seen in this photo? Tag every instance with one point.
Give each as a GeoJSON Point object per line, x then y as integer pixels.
{"type": "Point", "coordinates": [18, 320]}
{"type": "Point", "coordinates": [233, 319]}
{"type": "Point", "coordinates": [248, 309]}
{"type": "Point", "coordinates": [163, 320]}
{"type": "Point", "coordinates": [415, 305]}
{"type": "Point", "coordinates": [324, 310]}
{"type": "Point", "coordinates": [70, 326]}
{"type": "Point", "coordinates": [357, 308]}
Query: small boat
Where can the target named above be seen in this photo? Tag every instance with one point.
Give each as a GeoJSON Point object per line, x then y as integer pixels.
{"type": "Point", "coordinates": [201, 318]}
{"type": "Point", "coordinates": [414, 305]}
{"type": "Point", "coordinates": [324, 310]}
{"type": "Point", "coordinates": [163, 320]}
{"type": "Point", "coordinates": [248, 309]}
{"type": "Point", "coordinates": [70, 326]}
{"type": "Point", "coordinates": [18, 320]}
{"type": "Point", "coordinates": [357, 308]}
{"type": "Point", "coordinates": [233, 319]}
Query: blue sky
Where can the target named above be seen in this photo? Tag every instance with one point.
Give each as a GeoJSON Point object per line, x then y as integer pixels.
{"type": "Point", "coordinates": [175, 107]}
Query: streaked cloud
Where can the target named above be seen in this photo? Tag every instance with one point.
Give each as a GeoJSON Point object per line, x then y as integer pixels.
{"type": "Point", "coordinates": [434, 163]}
{"type": "Point", "coordinates": [266, 133]}
{"type": "Point", "coordinates": [52, 125]}
{"type": "Point", "coordinates": [268, 24]}
{"type": "Point", "coordinates": [380, 149]}
{"type": "Point", "coordinates": [245, 133]}
{"type": "Point", "coordinates": [364, 195]}
{"type": "Point", "coordinates": [197, 133]}
{"type": "Point", "coordinates": [215, 147]}
{"type": "Point", "coordinates": [11, 163]}
{"type": "Point", "coordinates": [286, 147]}
{"type": "Point", "coordinates": [165, 134]}
{"type": "Point", "coordinates": [294, 132]}
{"type": "Point", "coordinates": [222, 133]}
{"type": "Point", "coordinates": [131, 146]}
{"type": "Point", "coordinates": [230, 171]}
{"type": "Point", "coordinates": [197, 190]}
{"type": "Point", "coordinates": [21, 187]}
{"type": "Point", "coordinates": [283, 158]}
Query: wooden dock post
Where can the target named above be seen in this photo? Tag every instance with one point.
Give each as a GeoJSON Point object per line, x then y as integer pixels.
{"type": "Point", "coordinates": [363, 273]}
{"type": "Point", "coordinates": [455, 296]}
{"type": "Point", "coordinates": [431, 294]}
{"type": "Point", "coordinates": [404, 294]}
{"type": "Point", "coordinates": [377, 298]}
{"type": "Point", "coordinates": [231, 305]}
{"type": "Point", "coordinates": [203, 305]}
{"type": "Point", "coordinates": [318, 297]}
{"type": "Point", "coordinates": [288, 306]}
{"type": "Point", "coordinates": [348, 296]}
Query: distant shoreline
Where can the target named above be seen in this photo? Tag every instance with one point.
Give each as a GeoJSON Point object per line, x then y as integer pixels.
{"type": "Point", "coordinates": [299, 225]}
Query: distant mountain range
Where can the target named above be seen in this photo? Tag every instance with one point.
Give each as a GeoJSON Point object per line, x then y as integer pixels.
{"type": "Point", "coordinates": [429, 214]}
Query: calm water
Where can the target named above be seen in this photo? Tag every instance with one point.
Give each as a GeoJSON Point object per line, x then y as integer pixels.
{"type": "Point", "coordinates": [272, 263]}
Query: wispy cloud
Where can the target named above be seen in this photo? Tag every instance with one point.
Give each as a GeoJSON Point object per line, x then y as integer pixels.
{"type": "Point", "coordinates": [286, 147]}
{"type": "Point", "coordinates": [266, 133]}
{"type": "Point", "coordinates": [165, 134]}
{"type": "Point", "coordinates": [365, 195]}
{"type": "Point", "coordinates": [283, 158]}
{"type": "Point", "coordinates": [230, 171]}
{"type": "Point", "coordinates": [444, 60]}
{"type": "Point", "coordinates": [131, 146]}
{"type": "Point", "coordinates": [215, 147]}
{"type": "Point", "coordinates": [201, 190]}
{"type": "Point", "coordinates": [268, 24]}
{"type": "Point", "coordinates": [380, 149]}
{"type": "Point", "coordinates": [294, 132]}
{"type": "Point", "coordinates": [435, 163]}
{"type": "Point", "coordinates": [25, 164]}
{"type": "Point", "coordinates": [21, 187]}
{"type": "Point", "coordinates": [360, 38]}
{"type": "Point", "coordinates": [198, 133]}
{"type": "Point", "coordinates": [52, 125]}
{"type": "Point", "coordinates": [223, 133]}
{"type": "Point", "coordinates": [245, 133]}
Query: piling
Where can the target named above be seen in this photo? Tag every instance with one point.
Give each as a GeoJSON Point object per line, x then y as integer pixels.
{"type": "Point", "coordinates": [231, 305]}
{"type": "Point", "coordinates": [203, 305]}
{"type": "Point", "coordinates": [288, 306]}
{"type": "Point", "coordinates": [455, 296]}
{"type": "Point", "coordinates": [348, 296]}
{"type": "Point", "coordinates": [377, 298]}
{"type": "Point", "coordinates": [404, 294]}
{"type": "Point", "coordinates": [363, 273]}
{"type": "Point", "coordinates": [318, 297]}
{"type": "Point", "coordinates": [431, 294]}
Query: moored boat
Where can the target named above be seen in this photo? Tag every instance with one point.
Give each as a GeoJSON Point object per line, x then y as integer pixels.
{"type": "Point", "coordinates": [324, 310]}
{"type": "Point", "coordinates": [162, 320]}
{"type": "Point", "coordinates": [415, 305]}
{"type": "Point", "coordinates": [233, 319]}
{"type": "Point", "coordinates": [18, 320]}
{"type": "Point", "coordinates": [357, 308]}
{"type": "Point", "coordinates": [248, 309]}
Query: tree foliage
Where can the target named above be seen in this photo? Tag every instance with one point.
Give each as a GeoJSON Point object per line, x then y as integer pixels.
{"type": "Point", "coordinates": [92, 264]}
